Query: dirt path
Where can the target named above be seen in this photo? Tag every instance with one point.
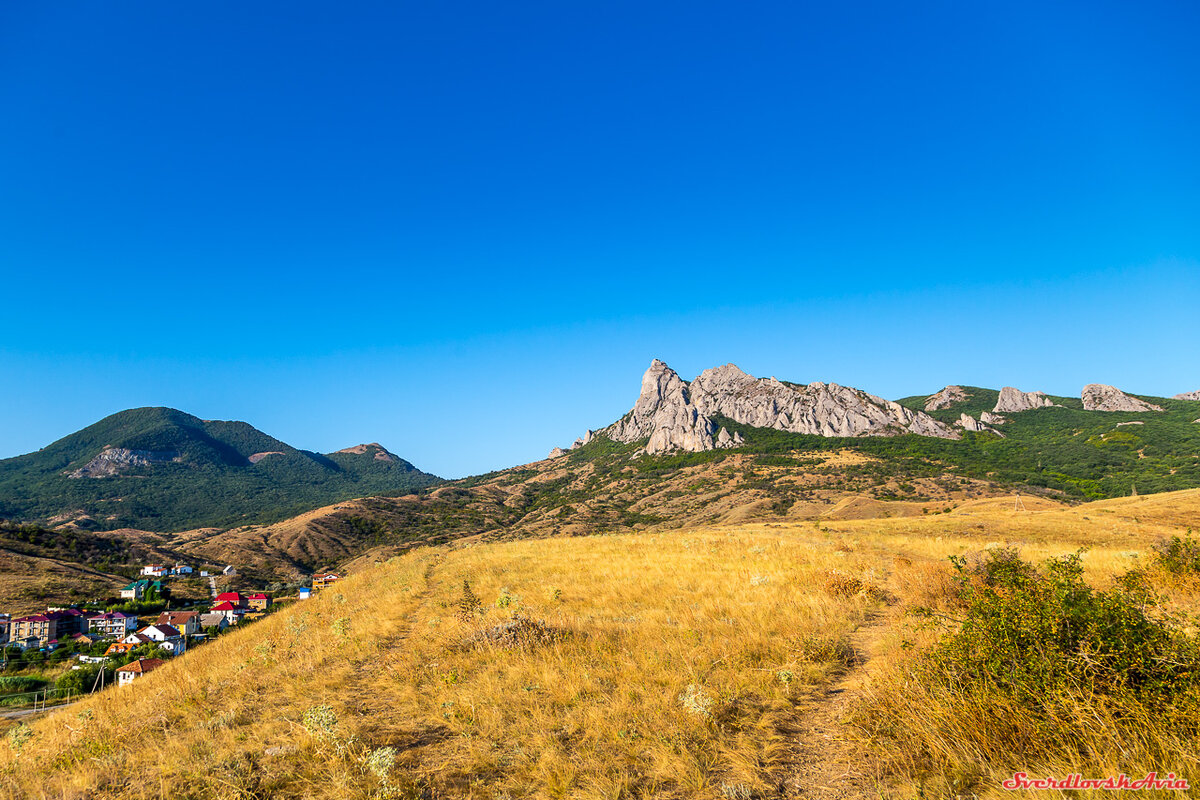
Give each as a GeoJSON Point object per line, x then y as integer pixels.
{"type": "Point", "coordinates": [829, 764]}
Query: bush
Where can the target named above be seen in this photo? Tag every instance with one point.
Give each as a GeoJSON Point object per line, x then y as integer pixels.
{"type": "Point", "coordinates": [1179, 555]}
{"type": "Point", "coordinates": [1033, 635]}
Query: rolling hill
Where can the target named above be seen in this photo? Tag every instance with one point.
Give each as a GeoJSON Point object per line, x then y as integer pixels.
{"type": "Point", "coordinates": [161, 469]}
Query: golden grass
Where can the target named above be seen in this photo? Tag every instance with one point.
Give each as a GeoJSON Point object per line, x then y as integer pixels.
{"type": "Point", "coordinates": [681, 665]}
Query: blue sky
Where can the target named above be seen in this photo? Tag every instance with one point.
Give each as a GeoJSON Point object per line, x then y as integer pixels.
{"type": "Point", "coordinates": [463, 229]}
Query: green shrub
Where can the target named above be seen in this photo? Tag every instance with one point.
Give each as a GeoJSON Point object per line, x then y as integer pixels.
{"type": "Point", "coordinates": [1179, 555]}
{"type": "Point", "coordinates": [1035, 635]}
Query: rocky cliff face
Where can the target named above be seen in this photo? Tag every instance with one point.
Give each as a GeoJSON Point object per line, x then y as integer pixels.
{"type": "Point", "coordinates": [115, 460]}
{"type": "Point", "coordinates": [1013, 400]}
{"type": "Point", "coordinates": [946, 398]}
{"type": "Point", "coordinates": [1188, 396]}
{"type": "Point", "coordinates": [1099, 397]}
{"type": "Point", "coordinates": [674, 415]}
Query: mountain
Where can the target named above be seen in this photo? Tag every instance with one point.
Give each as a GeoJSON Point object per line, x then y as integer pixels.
{"type": "Point", "coordinates": [678, 459]}
{"type": "Point", "coordinates": [161, 469]}
{"type": "Point", "coordinates": [671, 414]}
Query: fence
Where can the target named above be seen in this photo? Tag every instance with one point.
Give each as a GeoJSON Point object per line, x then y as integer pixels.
{"type": "Point", "coordinates": [36, 701]}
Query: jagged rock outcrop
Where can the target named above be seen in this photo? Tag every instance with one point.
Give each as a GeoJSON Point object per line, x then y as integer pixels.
{"type": "Point", "coordinates": [946, 398]}
{"type": "Point", "coordinates": [556, 452]}
{"type": "Point", "coordinates": [970, 423]}
{"type": "Point", "coordinates": [967, 422]}
{"type": "Point", "coordinates": [582, 440]}
{"type": "Point", "coordinates": [1188, 396]}
{"type": "Point", "coordinates": [988, 418]}
{"type": "Point", "coordinates": [676, 415]}
{"type": "Point", "coordinates": [115, 460]}
{"type": "Point", "coordinates": [1099, 397]}
{"type": "Point", "coordinates": [1012, 401]}
{"type": "Point", "coordinates": [724, 440]}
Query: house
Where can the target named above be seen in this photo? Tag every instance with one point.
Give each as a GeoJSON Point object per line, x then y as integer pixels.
{"type": "Point", "coordinates": [214, 620]}
{"type": "Point", "coordinates": [136, 669]}
{"type": "Point", "coordinates": [167, 636]}
{"type": "Point", "coordinates": [231, 612]}
{"type": "Point", "coordinates": [117, 624]}
{"type": "Point", "coordinates": [130, 642]}
{"type": "Point", "coordinates": [231, 597]}
{"type": "Point", "coordinates": [188, 622]}
{"type": "Point", "coordinates": [229, 570]}
{"type": "Point", "coordinates": [258, 602]}
{"type": "Point", "coordinates": [304, 593]}
{"type": "Point", "coordinates": [324, 579]}
{"type": "Point", "coordinates": [140, 588]}
{"type": "Point", "coordinates": [155, 570]}
{"type": "Point", "coordinates": [181, 569]}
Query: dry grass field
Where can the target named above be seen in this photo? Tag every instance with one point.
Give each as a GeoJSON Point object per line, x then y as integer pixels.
{"type": "Point", "coordinates": [784, 659]}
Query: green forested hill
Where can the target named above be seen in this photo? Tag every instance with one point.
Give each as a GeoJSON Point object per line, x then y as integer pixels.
{"type": "Point", "coordinates": [161, 469]}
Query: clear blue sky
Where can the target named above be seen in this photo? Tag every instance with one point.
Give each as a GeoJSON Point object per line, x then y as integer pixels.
{"type": "Point", "coordinates": [464, 229]}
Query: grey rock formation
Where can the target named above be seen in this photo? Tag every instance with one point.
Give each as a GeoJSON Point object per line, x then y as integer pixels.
{"type": "Point", "coordinates": [988, 418]}
{"type": "Point", "coordinates": [1099, 397]}
{"type": "Point", "coordinates": [582, 440]}
{"type": "Point", "coordinates": [115, 460]}
{"type": "Point", "coordinates": [724, 440]}
{"type": "Point", "coordinates": [1188, 396]}
{"type": "Point", "coordinates": [967, 422]}
{"type": "Point", "coordinates": [946, 398]}
{"type": "Point", "coordinates": [557, 452]}
{"type": "Point", "coordinates": [970, 423]}
{"type": "Point", "coordinates": [1012, 401]}
{"type": "Point", "coordinates": [676, 415]}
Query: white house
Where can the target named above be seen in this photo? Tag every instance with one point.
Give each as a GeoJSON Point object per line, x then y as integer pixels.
{"type": "Point", "coordinates": [131, 672]}
{"type": "Point", "coordinates": [155, 570]}
{"type": "Point", "coordinates": [167, 636]}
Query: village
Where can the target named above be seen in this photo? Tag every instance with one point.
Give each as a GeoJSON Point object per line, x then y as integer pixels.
{"type": "Point", "coordinates": [56, 656]}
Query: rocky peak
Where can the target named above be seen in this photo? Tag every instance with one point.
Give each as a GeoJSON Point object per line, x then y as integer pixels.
{"type": "Point", "coordinates": [1012, 401]}
{"type": "Point", "coordinates": [375, 449]}
{"type": "Point", "coordinates": [1100, 397]}
{"type": "Point", "coordinates": [1188, 396]}
{"type": "Point", "coordinates": [674, 415]}
{"type": "Point", "coordinates": [946, 398]}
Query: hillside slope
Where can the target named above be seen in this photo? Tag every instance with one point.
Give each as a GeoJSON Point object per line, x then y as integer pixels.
{"type": "Point", "coordinates": [161, 469]}
{"type": "Point", "coordinates": [669, 664]}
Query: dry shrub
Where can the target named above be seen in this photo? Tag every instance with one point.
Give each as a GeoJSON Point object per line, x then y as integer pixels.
{"type": "Point", "coordinates": [824, 649]}
{"type": "Point", "coordinates": [839, 585]}
{"type": "Point", "coordinates": [519, 632]}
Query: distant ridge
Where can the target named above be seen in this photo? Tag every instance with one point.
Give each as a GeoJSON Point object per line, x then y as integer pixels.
{"type": "Point", "coordinates": [163, 469]}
